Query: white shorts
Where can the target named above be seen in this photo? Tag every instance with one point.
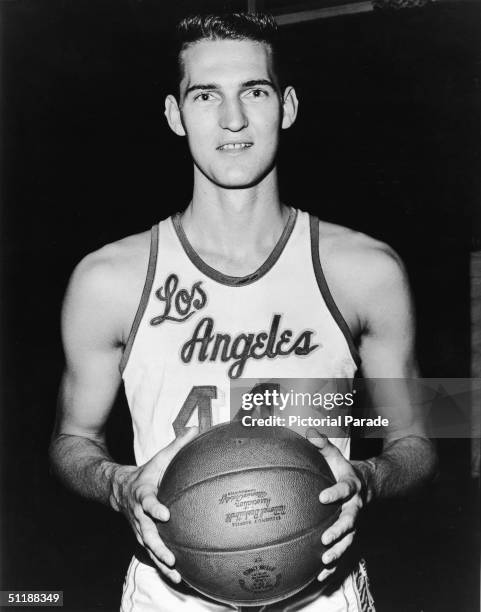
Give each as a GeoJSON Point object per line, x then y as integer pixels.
{"type": "Point", "coordinates": [146, 591]}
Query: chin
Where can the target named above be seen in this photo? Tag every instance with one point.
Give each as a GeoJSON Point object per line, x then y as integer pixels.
{"type": "Point", "coordinates": [236, 175]}
{"type": "Point", "coordinates": [238, 178]}
{"type": "Point", "coordinates": [237, 182]}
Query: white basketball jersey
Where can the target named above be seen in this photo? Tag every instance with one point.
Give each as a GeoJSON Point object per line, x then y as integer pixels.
{"type": "Point", "coordinates": [197, 330]}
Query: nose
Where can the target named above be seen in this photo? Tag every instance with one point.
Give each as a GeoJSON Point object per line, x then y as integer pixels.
{"type": "Point", "coordinates": [233, 115]}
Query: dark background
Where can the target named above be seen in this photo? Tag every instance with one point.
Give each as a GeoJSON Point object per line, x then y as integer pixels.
{"type": "Point", "coordinates": [387, 142]}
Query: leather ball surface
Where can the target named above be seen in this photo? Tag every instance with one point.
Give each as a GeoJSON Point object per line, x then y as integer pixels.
{"type": "Point", "coordinates": [245, 518]}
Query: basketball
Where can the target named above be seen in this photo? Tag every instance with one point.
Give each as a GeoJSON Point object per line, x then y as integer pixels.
{"type": "Point", "coordinates": [245, 517]}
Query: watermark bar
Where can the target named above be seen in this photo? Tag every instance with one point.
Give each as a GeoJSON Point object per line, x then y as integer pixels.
{"type": "Point", "coordinates": [368, 408]}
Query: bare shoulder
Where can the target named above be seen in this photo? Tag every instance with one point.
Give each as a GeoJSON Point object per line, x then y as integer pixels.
{"type": "Point", "coordinates": [342, 247]}
{"type": "Point", "coordinates": [116, 260]}
{"type": "Point", "coordinates": [364, 274]}
{"type": "Point", "coordinates": [106, 286]}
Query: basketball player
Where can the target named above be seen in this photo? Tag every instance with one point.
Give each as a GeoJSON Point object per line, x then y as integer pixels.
{"type": "Point", "coordinates": [238, 285]}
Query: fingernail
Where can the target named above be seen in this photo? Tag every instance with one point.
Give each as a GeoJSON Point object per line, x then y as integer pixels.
{"type": "Point", "coordinates": [325, 498]}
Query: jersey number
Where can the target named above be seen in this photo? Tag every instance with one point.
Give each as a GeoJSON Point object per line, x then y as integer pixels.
{"type": "Point", "coordinates": [200, 397]}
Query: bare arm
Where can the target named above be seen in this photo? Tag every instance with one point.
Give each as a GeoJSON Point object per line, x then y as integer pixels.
{"type": "Point", "coordinates": [408, 459]}
{"type": "Point", "coordinates": [386, 317]}
{"type": "Point", "coordinates": [91, 336]}
{"type": "Point", "coordinates": [96, 314]}
{"type": "Point", "coordinates": [403, 466]}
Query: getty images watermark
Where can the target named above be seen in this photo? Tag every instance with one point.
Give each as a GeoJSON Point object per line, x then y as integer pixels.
{"type": "Point", "coordinates": [373, 408]}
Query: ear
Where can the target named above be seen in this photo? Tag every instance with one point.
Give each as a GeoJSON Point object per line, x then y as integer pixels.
{"type": "Point", "coordinates": [172, 113]}
{"type": "Point", "coordinates": [290, 105]}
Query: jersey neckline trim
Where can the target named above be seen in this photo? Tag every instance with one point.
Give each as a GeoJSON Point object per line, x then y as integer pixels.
{"type": "Point", "coordinates": [149, 280]}
{"type": "Point", "coordinates": [235, 281]}
{"type": "Point", "coordinates": [326, 294]}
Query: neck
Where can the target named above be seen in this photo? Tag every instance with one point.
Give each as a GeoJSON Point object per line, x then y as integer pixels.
{"type": "Point", "coordinates": [234, 222]}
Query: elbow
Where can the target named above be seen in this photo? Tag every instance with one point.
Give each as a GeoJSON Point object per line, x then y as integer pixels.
{"type": "Point", "coordinates": [60, 452]}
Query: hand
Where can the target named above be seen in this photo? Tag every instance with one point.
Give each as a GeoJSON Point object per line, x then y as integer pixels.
{"type": "Point", "coordinates": [349, 489]}
{"type": "Point", "coordinates": [135, 494]}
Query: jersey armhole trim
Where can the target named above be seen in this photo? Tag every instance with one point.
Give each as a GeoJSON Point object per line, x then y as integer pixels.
{"type": "Point", "coordinates": [144, 299]}
{"type": "Point", "coordinates": [325, 292]}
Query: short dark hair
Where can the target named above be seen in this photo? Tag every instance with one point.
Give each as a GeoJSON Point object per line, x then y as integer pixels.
{"type": "Point", "coordinates": [258, 27]}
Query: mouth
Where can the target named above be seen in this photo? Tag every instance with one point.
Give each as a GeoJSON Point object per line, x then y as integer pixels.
{"type": "Point", "coordinates": [235, 146]}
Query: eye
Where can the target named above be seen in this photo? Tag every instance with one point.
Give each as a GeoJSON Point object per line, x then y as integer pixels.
{"type": "Point", "coordinates": [205, 96]}
{"type": "Point", "coordinates": [257, 93]}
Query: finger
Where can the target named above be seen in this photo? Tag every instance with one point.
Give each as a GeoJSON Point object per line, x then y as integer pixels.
{"type": "Point", "coordinates": [137, 516]}
{"type": "Point", "coordinates": [326, 573]}
{"type": "Point", "coordinates": [343, 525]}
{"type": "Point", "coordinates": [171, 574]}
{"type": "Point", "coordinates": [317, 438]}
{"type": "Point", "coordinates": [152, 507]}
{"type": "Point", "coordinates": [335, 552]}
{"type": "Point", "coordinates": [134, 523]}
{"type": "Point", "coordinates": [159, 550]}
{"type": "Point", "coordinates": [138, 537]}
{"type": "Point", "coordinates": [344, 489]}
{"type": "Point", "coordinates": [153, 542]}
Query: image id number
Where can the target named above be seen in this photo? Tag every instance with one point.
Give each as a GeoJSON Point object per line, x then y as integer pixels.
{"type": "Point", "coordinates": [31, 598]}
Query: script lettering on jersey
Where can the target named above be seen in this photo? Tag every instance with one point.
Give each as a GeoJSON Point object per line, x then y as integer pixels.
{"type": "Point", "coordinates": [184, 302]}
{"type": "Point", "coordinates": [238, 349]}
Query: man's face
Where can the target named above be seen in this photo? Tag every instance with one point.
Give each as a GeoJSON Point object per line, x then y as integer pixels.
{"type": "Point", "coordinates": [231, 110]}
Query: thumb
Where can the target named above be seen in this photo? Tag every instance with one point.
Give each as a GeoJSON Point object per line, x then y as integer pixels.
{"type": "Point", "coordinates": [165, 456]}
{"type": "Point", "coordinates": [317, 438]}
{"type": "Point", "coordinates": [174, 447]}
{"type": "Point", "coordinates": [321, 441]}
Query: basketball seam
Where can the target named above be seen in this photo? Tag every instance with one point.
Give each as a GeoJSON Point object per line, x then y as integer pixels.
{"type": "Point", "coordinates": [285, 540]}
{"type": "Point", "coordinates": [243, 470]}
{"type": "Point", "coordinates": [254, 602]}
{"type": "Point", "coordinates": [221, 426]}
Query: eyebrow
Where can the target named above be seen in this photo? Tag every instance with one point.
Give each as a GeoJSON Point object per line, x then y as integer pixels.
{"type": "Point", "coordinates": [251, 83]}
